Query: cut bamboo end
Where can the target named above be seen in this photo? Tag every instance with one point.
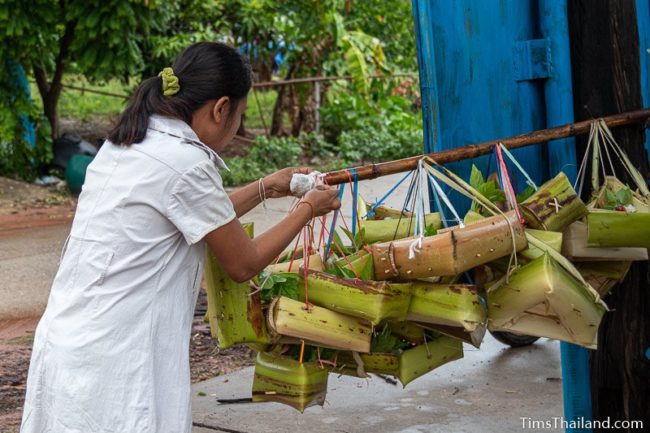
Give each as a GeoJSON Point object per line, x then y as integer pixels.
{"type": "Point", "coordinates": [553, 206]}
{"type": "Point", "coordinates": [545, 289]}
{"type": "Point", "coordinates": [457, 305]}
{"type": "Point", "coordinates": [284, 380]}
{"type": "Point", "coordinates": [452, 252]}
{"type": "Point", "coordinates": [618, 229]}
{"type": "Point", "coordinates": [574, 247]}
{"type": "Point", "coordinates": [370, 300]}
{"type": "Point", "coordinates": [234, 313]}
{"type": "Point", "coordinates": [319, 325]}
{"type": "Point", "coordinates": [389, 229]}
{"type": "Point", "coordinates": [315, 263]}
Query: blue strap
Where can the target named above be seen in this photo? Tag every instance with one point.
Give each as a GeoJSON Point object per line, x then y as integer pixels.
{"type": "Point", "coordinates": [355, 194]}
{"type": "Point", "coordinates": [333, 225]}
{"type": "Point", "coordinates": [379, 202]}
{"type": "Point", "coordinates": [439, 206]}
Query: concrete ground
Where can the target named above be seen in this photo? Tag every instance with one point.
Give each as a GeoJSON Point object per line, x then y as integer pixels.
{"type": "Point", "coordinates": [494, 389]}
{"type": "Point", "coordinates": [489, 390]}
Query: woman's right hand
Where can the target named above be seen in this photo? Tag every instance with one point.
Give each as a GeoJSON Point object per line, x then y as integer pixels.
{"type": "Point", "coordinates": [324, 199]}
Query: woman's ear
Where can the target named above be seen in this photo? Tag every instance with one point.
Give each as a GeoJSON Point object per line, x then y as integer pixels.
{"type": "Point", "coordinates": [221, 109]}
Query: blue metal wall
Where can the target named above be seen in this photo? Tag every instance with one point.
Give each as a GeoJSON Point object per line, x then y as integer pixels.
{"type": "Point", "coordinates": [643, 22]}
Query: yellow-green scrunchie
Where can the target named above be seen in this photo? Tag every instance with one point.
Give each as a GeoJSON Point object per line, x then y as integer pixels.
{"type": "Point", "coordinates": [170, 85]}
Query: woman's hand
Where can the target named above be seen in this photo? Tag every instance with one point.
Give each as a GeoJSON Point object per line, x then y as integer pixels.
{"type": "Point", "coordinates": [323, 199]}
{"type": "Point", "coordinates": [277, 184]}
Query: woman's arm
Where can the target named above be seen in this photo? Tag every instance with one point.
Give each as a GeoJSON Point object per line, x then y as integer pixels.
{"type": "Point", "coordinates": [242, 258]}
{"type": "Point", "coordinates": [273, 186]}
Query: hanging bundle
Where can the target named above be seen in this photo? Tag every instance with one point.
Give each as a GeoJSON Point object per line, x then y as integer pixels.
{"type": "Point", "coordinates": [234, 309]}
{"type": "Point", "coordinates": [284, 380]}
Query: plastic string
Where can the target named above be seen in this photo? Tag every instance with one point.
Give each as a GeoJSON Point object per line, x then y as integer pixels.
{"type": "Point", "coordinates": [379, 202]}
{"type": "Point", "coordinates": [333, 225]}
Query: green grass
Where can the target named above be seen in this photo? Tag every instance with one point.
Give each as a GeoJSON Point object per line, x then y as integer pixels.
{"type": "Point", "coordinates": [85, 105]}
{"type": "Point", "coordinates": [266, 101]}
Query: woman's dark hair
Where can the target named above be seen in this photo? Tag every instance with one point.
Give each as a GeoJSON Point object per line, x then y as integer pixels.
{"type": "Point", "coordinates": [205, 71]}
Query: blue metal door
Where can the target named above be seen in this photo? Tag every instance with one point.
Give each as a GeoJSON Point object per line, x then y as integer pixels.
{"type": "Point", "coordinates": [498, 68]}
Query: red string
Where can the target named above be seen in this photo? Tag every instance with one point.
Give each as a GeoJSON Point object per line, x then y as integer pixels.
{"type": "Point", "coordinates": [510, 192]}
{"type": "Point", "coordinates": [295, 250]}
{"type": "Point", "coordinates": [355, 211]}
{"type": "Point", "coordinates": [305, 265]}
{"type": "Point", "coordinates": [357, 276]}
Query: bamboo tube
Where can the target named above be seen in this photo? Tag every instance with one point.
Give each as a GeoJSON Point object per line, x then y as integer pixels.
{"type": "Point", "coordinates": [315, 263]}
{"type": "Point", "coordinates": [554, 206]}
{"type": "Point", "coordinates": [383, 212]}
{"type": "Point", "coordinates": [451, 252]}
{"type": "Point", "coordinates": [456, 305]}
{"type": "Point", "coordinates": [618, 229]}
{"type": "Point", "coordinates": [389, 229]}
{"type": "Point", "coordinates": [543, 288]}
{"type": "Point", "coordinates": [285, 380]}
{"type": "Point", "coordinates": [373, 171]}
{"type": "Point", "coordinates": [574, 247]}
{"type": "Point", "coordinates": [319, 326]}
{"type": "Point", "coordinates": [370, 300]}
{"type": "Point", "coordinates": [235, 315]}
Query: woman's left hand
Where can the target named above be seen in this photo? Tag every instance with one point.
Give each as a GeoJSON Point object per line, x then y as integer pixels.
{"type": "Point", "coordinates": [277, 184]}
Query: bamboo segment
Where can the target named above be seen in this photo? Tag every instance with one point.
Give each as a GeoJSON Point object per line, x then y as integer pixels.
{"type": "Point", "coordinates": [285, 380]}
{"type": "Point", "coordinates": [383, 212]}
{"type": "Point", "coordinates": [574, 247]}
{"type": "Point", "coordinates": [452, 252]}
{"type": "Point", "coordinates": [370, 300]}
{"type": "Point", "coordinates": [553, 206]}
{"type": "Point", "coordinates": [544, 288]}
{"type": "Point", "coordinates": [234, 313]}
{"type": "Point", "coordinates": [319, 326]}
{"type": "Point", "coordinates": [409, 364]}
{"type": "Point", "coordinates": [315, 263]}
{"type": "Point", "coordinates": [389, 229]}
{"type": "Point", "coordinates": [603, 276]}
{"type": "Point", "coordinates": [457, 305]}
{"type": "Point", "coordinates": [618, 229]}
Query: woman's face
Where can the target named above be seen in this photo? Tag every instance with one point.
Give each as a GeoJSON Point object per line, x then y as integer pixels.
{"type": "Point", "coordinates": [217, 122]}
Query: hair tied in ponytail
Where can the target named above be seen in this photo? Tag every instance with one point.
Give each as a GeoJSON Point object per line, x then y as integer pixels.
{"type": "Point", "coordinates": [170, 85]}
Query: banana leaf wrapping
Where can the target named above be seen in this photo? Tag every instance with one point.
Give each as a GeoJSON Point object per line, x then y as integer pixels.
{"type": "Point", "coordinates": [319, 326]}
{"type": "Point", "coordinates": [575, 247]}
{"type": "Point", "coordinates": [603, 276]}
{"type": "Point", "coordinates": [457, 305]}
{"type": "Point", "coordinates": [451, 252]}
{"type": "Point", "coordinates": [371, 300]}
{"type": "Point", "coordinates": [284, 380]}
{"type": "Point", "coordinates": [234, 312]}
{"type": "Point", "coordinates": [610, 228]}
{"type": "Point", "coordinates": [544, 299]}
{"type": "Point", "coordinates": [406, 365]}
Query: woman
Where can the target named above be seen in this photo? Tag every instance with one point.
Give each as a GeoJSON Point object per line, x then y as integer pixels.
{"type": "Point", "coordinates": [111, 352]}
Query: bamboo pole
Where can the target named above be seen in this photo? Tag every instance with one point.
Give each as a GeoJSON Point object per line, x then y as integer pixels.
{"type": "Point", "coordinates": [372, 171]}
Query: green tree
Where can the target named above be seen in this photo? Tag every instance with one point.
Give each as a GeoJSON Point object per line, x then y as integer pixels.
{"type": "Point", "coordinates": [97, 38]}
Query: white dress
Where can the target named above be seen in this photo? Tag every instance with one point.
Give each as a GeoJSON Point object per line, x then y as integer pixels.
{"type": "Point", "coordinates": [111, 352]}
